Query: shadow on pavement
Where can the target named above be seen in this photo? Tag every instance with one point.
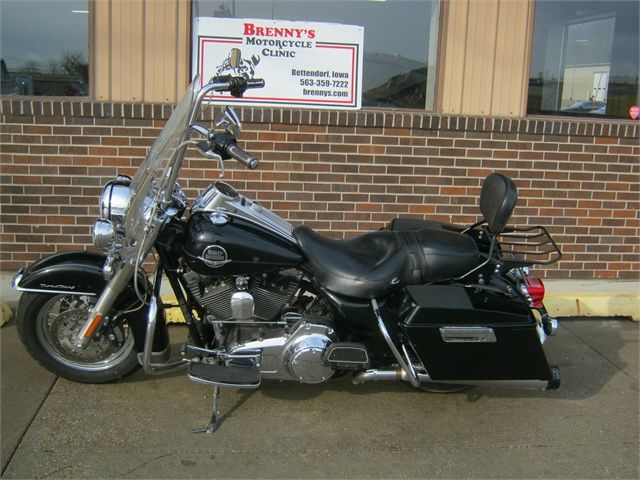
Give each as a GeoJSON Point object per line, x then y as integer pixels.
{"type": "Point", "coordinates": [588, 351]}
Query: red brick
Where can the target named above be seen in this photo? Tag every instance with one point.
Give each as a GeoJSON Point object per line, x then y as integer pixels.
{"type": "Point", "coordinates": [606, 141]}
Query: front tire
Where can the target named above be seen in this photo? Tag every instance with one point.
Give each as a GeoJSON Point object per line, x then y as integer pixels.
{"type": "Point", "coordinates": [47, 325]}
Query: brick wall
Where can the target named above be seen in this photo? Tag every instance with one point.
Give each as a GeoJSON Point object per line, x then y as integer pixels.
{"type": "Point", "coordinates": [341, 173]}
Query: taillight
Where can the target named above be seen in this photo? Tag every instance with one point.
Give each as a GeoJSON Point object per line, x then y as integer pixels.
{"type": "Point", "coordinates": [535, 288]}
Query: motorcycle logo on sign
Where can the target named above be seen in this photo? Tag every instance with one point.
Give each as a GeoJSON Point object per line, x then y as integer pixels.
{"type": "Point", "coordinates": [215, 256]}
{"type": "Point", "coordinates": [236, 65]}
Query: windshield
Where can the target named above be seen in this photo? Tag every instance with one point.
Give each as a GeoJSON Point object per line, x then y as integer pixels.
{"type": "Point", "coordinates": [154, 177]}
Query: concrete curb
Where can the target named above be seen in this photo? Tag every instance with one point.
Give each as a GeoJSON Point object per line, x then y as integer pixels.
{"type": "Point", "coordinates": [593, 298]}
{"type": "Point", "coordinates": [564, 298]}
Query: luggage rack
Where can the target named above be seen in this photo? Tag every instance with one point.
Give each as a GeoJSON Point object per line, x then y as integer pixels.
{"type": "Point", "coordinates": [526, 246]}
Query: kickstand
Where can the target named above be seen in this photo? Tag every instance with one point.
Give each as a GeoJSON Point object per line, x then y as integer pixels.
{"type": "Point", "coordinates": [215, 415]}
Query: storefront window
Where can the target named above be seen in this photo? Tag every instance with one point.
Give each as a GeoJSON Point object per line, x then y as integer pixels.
{"type": "Point", "coordinates": [585, 58]}
{"type": "Point", "coordinates": [400, 40]}
{"type": "Point", "coordinates": [45, 47]}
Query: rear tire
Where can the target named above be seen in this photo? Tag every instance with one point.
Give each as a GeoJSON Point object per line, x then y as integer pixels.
{"type": "Point", "coordinates": [443, 388]}
{"type": "Point", "coordinates": [47, 325]}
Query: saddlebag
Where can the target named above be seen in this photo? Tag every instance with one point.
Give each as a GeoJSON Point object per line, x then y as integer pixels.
{"type": "Point", "coordinates": [474, 333]}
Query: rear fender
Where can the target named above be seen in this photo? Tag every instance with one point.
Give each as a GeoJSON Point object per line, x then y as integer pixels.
{"type": "Point", "coordinates": [80, 273]}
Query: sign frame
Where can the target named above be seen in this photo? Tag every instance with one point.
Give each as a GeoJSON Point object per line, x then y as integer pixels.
{"type": "Point", "coordinates": [306, 64]}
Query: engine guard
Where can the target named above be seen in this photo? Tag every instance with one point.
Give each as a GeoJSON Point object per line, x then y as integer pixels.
{"type": "Point", "coordinates": [80, 273]}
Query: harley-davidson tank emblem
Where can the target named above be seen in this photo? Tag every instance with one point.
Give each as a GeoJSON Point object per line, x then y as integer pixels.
{"type": "Point", "coordinates": [215, 256]}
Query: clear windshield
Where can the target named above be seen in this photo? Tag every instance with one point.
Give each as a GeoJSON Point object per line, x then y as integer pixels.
{"type": "Point", "coordinates": [153, 179]}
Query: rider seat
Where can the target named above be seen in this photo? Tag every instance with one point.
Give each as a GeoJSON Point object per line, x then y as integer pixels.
{"type": "Point", "coordinates": [376, 263]}
{"type": "Point", "coordinates": [408, 252]}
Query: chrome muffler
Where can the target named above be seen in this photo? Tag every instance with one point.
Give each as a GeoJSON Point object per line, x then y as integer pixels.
{"type": "Point", "coordinates": [399, 374]}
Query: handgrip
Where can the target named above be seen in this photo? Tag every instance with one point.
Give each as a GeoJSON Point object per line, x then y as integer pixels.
{"type": "Point", "coordinates": [255, 83]}
{"type": "Point", "coordinates": [243, 157]}
{"type": "Point", "coordinates": [235, 85]}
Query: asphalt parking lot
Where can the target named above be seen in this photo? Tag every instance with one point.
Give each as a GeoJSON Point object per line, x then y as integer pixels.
{"type": "Point", "coordinates": [140, 427]}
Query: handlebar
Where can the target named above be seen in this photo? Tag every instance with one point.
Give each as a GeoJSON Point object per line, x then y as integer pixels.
{"type": "Point", "coordinates": [235, 85]}
{"type": "Point", "coordinates": [242, 156]}
{"type": "Point", "coordinates": [224, 144]}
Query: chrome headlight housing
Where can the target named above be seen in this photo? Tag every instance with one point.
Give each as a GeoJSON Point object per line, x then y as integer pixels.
{"type": "Point", "coordinates": [115, 200]}
{"type": "Point", "coordinates": [103, 234]}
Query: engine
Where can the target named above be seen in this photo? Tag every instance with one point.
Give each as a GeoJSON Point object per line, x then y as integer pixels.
{"type": "Point", "coordinates": [265, 294]}
{"type": "Point", "coordinates": [297, 341]}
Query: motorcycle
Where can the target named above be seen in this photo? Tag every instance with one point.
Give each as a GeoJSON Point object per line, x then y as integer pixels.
{"type": "Point", "coordinates": [436, 305]}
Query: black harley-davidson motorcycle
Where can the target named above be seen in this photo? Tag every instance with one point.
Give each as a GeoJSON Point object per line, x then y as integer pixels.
{"type": "Point", "coordinates": [435, 305]}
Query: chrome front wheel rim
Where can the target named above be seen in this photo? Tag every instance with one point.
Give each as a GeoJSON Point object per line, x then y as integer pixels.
{"type": "Point", "coordinates": [57, 325]}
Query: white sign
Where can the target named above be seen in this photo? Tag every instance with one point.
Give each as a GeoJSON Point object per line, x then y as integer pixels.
{"type": "Point", "coordinates": [308, 64]}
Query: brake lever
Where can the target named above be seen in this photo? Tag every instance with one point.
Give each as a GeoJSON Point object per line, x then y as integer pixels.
{"type": "Point", "coordinates": [208, 152]}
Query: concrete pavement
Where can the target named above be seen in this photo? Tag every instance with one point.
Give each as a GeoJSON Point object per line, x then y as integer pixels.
{"type": "Point", "coordinates": [139, 428]}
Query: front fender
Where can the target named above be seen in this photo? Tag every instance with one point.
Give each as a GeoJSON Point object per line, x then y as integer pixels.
{"type": "Point", "coordinates": [80, 273]}
{"type": "Point", "coordinates": [74, 273]}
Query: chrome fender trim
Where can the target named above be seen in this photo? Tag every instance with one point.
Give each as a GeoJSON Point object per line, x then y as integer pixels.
{"type": "Point", "coordinates": [15, 284]}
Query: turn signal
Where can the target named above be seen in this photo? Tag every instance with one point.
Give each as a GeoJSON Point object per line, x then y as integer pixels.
{"type": "Point", "coordinates": [535, 287]}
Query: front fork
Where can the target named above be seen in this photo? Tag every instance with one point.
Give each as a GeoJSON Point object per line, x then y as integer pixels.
{"type": "Point", "coordinates": [98, 314]}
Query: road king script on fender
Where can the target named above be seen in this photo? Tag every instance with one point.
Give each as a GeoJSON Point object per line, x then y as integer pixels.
{"type": "Point", "coordinates": [316, 65]}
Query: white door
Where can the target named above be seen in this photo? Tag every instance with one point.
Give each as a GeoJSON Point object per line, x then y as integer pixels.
{"type": "Point", "coordinates": [599, 92]}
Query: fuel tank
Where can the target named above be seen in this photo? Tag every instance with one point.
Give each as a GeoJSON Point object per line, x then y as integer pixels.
{"type": "Point", "coordinates": [228, 234]}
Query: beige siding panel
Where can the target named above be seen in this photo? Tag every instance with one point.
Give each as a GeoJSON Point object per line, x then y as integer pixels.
{"type": "Point", "coordinates": [166, 47]}
{"type": "Point", "coordinates": [480, 52]}
{"type": "Point", "coordinates": [127, 52]}
{"type": "Point", "coordinates": [511, 65]}
{"type": "Point", "coordinates": [101, 52]}
{"type": "Point", "coordinates": [160, 46]}
{"type": "Point", "coordinates": [485, 58]}
{"type": "Point", "coordinates": [141, 49]}
{"type": "Point", "coordinates": [455, 43]}
{"type": "Point", "coordinates": [183, 52]}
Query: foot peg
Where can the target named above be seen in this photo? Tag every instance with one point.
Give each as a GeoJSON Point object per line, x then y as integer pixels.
{"type": "Point", "coordinates": [224, 376]}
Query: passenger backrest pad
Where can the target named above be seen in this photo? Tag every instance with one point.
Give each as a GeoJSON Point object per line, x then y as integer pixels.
{"type": "Point", "coordinates": [497, 200]}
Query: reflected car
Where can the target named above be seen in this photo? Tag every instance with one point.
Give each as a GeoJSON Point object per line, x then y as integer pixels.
{"type": "Point", "coordinates": [587, 106]}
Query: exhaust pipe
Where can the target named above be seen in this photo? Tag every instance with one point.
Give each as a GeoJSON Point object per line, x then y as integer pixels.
{"type": "Point", "coordinates": [374, 375]}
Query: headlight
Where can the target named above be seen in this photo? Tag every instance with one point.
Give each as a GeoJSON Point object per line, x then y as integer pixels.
{"type": "Point", "coordinates": [103, 234]}
{"type": "Point", "coordinates": [114, 201]}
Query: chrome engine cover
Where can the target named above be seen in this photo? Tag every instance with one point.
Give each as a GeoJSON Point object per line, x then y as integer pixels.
{"type": "Point", "coordinates": [295, 356]}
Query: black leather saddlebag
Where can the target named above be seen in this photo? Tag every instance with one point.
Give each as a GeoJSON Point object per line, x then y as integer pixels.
{"type": "Point", "coordinates": [466, 333]}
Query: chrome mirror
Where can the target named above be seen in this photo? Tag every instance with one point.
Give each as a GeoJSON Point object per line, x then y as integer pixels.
{"type": "Point", "coordinates": [235, 57]}
{"type": "Point", "coordinates": [229, 121]}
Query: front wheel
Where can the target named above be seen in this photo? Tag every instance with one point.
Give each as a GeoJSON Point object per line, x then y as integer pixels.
{"type": "Point", "coordinates": [48, 324]}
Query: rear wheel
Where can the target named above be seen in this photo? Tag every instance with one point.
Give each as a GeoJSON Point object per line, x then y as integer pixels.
{"type": "Point", "coordinates": [48, 324]}
{"type": "Point", "coordinates": [443, 387]}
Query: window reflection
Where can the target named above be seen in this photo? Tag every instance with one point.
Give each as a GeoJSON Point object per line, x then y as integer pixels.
{"type": "Point", "coordinates": [45, 47]}
{"type": "Point", "coordinates": [585, 58]}
{"type": "Point", "coordinates": [400, 38]}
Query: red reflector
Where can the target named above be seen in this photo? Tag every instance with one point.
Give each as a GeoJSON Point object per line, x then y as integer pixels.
{"type": "Point", "coordinates": [535, 287]}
